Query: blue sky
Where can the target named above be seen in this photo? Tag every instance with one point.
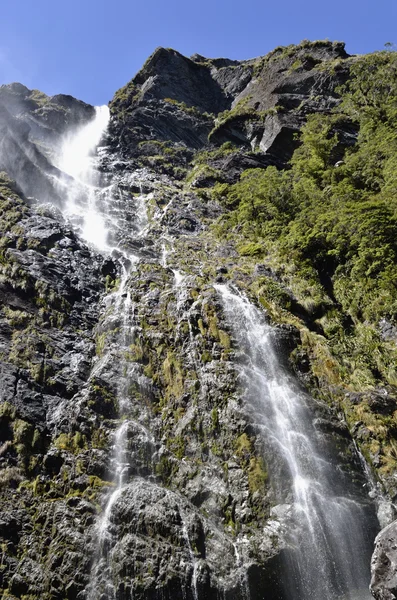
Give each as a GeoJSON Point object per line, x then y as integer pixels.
{"type": "Point", "coordinates": [90, 49]}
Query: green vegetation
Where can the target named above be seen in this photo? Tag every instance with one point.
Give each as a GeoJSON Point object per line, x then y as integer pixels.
{"type": "Point", "coordinates": [39, 97]}
{"type": "Point", "coordinates": [299, 53]}
{"type": "Point", "coordinates": [327, 229]}
{"type": "Point", "coordinates": [20, 438]}
{"type": "Point", "coordinates": [254, 465]}
{"type": "Point", "coordinates": [192, 110]}
{"type": "Point", "coordinates": [330, 222]}
{"type": "Point", "coordinates": [173, 375]}
{"type": "Point", "coordinates": [242, 110]}
{"type": "Point", "coordinates": [204, 156]}
{"type": "Point", "coordinates": [203, 171]}
{"type": "Point", "coordinates": [164, 156]}
{"type": "Point", "coordinates": [124, 100]}
{"type": "Point", "coordinates": [73, 443]}
{"type": "Point", "coordinates": [102, 399]}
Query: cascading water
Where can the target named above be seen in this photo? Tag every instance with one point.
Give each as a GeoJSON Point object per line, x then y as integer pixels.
{"type": "Point", "coordinates": [120, 311]}
{"type": "Point", "coordinates": [334, 530]}
{"type": "Point", "coordinates": [76, 159]}
{"type": "Point", "coordinates": [244, 584]}
{"type": "Point", "coordinates": [193, 560]}
{"type": "Point", "coordinates": [119, 303]}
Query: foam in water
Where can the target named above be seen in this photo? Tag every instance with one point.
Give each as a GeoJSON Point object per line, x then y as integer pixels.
{"type": "Point", "coordinates": [78, 160]}
{"type": "Point", "coordinates": [333, 536]}
{"type": "Point", "coordinates": [78, 148]}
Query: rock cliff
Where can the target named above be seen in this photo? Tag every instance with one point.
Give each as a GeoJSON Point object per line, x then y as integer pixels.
{"type": "Point", "coordinates": [131, 464]}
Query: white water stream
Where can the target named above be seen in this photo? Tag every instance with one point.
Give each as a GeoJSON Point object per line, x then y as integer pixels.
{"type": "Point", "coordinates": [193, 559]}
{"type": "Point", "coordinates": [99, 213]}
{"type": "Point", "coordinates": [332, 544]}
{"type": "Point", "coordinates": [77, 159]}
{"type": "Point", "coordinates": [120, 303]}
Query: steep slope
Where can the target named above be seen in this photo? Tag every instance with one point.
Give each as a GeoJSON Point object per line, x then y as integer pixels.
{"type": "Point", "coordinates": [135, 461]}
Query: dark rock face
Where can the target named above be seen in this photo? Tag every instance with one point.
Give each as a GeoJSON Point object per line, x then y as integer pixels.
{"type": "Point", "coordinates": [384, 564]}
{"type": "Point", "coordinates": [48, 117]}
{"type": "Point", "coordinates": [167, 70]}
{"type": "Point", "coordinates": [136, 340]}
{"type": "Point", "coordinates": [50, 284]}
{"type": "Point", "coordinates": [180, 99]}
{"type": "Point", "coordinates": [31, 128]}
{"type": "Point", "coordinates": [146, 518]}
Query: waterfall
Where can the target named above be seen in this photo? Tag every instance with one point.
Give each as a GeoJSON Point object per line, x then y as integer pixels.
{"type": "Point", "coordinates": [79, 147]}
{"type": "Point", "coordinates": [243, 578]}
{"type": "Point", "coordinates": [120, 307]}
{"type": "Point", "coordinates": [110, 218]}
{"type": "Point", "coordinates": [192, 557]}
{"type": "Point", "coordinates": [99, 212]}
{"type": "Point", "coordinates": [332, 540]}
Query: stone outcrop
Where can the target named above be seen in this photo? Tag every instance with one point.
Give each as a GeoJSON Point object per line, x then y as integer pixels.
{"type": "Point", "coordinates": [31, 129]}
{"type": "Point", "coordinates": [384, 564]}
{"type": "Point", "coordinates": [257, 104]}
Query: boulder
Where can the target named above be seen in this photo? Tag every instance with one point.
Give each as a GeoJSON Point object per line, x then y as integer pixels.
{"type": "Point", "coordinates": [384, 564]}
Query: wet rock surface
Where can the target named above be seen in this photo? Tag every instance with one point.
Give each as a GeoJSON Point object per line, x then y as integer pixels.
{"type": "Point", "coordinates": [384, 564]}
